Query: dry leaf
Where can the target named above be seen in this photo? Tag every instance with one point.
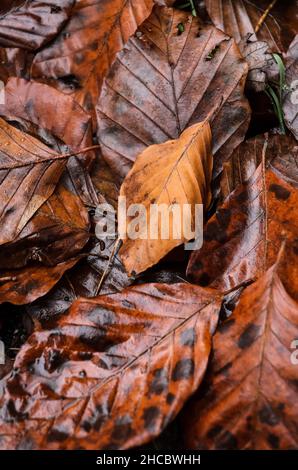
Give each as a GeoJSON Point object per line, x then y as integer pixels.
{"type": "Point", "coordinates": [251, 388]}
{"type": "Point", "coordinates": [112, 372]}
{"type": "Point", "coordinates": [163, 82]}
{"type": "Point", "coordinates": [176, 172]}
{"type": "Point", "coordinates": [290, 98]}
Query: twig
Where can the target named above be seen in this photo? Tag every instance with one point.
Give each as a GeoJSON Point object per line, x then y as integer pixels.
{"type": "Point", "coordinates": [264, 16]}
{"type": "Point", "coordinates": [111, 257]}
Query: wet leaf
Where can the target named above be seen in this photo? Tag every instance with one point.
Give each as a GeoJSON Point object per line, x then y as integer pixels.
{"type": "Point", "coordinates": [242, 239]}
{"type": "Point", "coordinates": [175, 172]}
{"type": "Point", "coordinates": [29, 173]}
{"type": "Point", "coordinates": [60, 116]}
{"type": "Point", "coordinates": [249, 397]}
{"type": "Point", "coordinates": [238, 18]}
{"type": "Point", "coordinates": [113, 372]}
{"type": "Point", "coordinates": [31, 24]}
{"type": "Point", "coordinates": [82, 54]}
{"type": "Point", "coordinates": [28, 284]}
{"type": "Point", "coordinates": [162, 83]}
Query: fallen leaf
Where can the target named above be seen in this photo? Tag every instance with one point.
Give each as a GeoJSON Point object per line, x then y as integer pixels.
{"type": "Point", "coordinates": [29, 174]}
{"type": "Point", "coordinates": [249, 397]}
{"type": "Point", "coordinates": [28, 284]}
{"type": "Point", "coordinates": [40, 104]}
{"type": "Point", "coordinates": [242, 239]}
{"type": "Point", "coordinates": [80, 57]}
{"type": "Point", "coordinates": [259, 60]}
{"type": "Point", "coordinates": [175, 172]}
{"type": "Point", "coordinates": [163, 82]}
{"type": "Point", "coordinates": [290, 98]}
{"type": "Point", "coordinates": [281, 152]}
{"type": "Point", "coordinates": [111, 373]}
{"type": "Point", "coordinates": [31, 24]}
{"type": "Point", "coordinates": [238, 18]}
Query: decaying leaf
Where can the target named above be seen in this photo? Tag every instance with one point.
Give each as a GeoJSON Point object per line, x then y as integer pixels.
{"type": "Point", "coordinates": [82, 54]}
{"type": "Point", "coordinates": [242, 239]}
{"type": "Point", "coordinates": [29, 173]}
{"type": "Point", "coordinates": [31, 24]}
{"type": "Point", "coordinates": [112, 372]}
{"type": "Point", "coordinates": [163, 82]}
{"type": "Point", "coordinates": [251, 388]}
{"type": "Point", "coordinates": [280, 153]}
{"type": "Point", "coordinates": [290, 99]}
{"type": "Point", "coordinates": [238, 18]}
{"type": "Point", "coordinates": [25, 285]}
{"type": "Point", "coordinates": [175, 172]}
{"type": "Point", "coordinates": [58, 114]}
{"type": "Point", "coordinates": [259, 61]}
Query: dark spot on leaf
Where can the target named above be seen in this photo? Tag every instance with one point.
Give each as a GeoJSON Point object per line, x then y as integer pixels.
{"type": "Point", "coordinates": [273, 440]}
{"type": "Point", "coordinates": [170, 398]}
{"type": "Point", "coordinates": [183, 369]}
{"type": "Point", "coordinates": [267, 416]}
{"type": "Point", "coordinates": [159, 383]}
{"type": "Point", "coordinates": [150, 417]}
{"type": "Point", "coordinates": [280, 192]}
{"type": "Point", "coordinates": [122, 429]}
{"type": "Point", "coordinates": [57, 436]}
{"type": "Point", "coordinates": [248, 336]}
{"type": "Point", "coordinates": [188, 337]}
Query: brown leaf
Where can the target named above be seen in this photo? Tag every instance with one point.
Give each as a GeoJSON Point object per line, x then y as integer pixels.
{"type": "Point", "coordinates": [82, 54]}
{"type": "Point", "coordinates": [259, 61]}
{"type": "Point", "coordinates": [290, 98]}
{"type": "Point", "coordinates": [251, 387]}
{"type": "Point", "coordinates": [31, 24]}
{"type": "Point", "coordinates": [242, 239]}
{"type": "Point", "coordinates": [26, 285]}
{"type": "Point", "coordinates": [280, 155]}
{"type": "Point", "coordinates": [238, 18]}
{"type": "Point", "coordinates": [40, 104]}
{"type": "Point", "coordinates": [175, 172]}
{"type": "Point", "coordinates": [164, 82]}
{"type": "Point", "coordinates": [112, 373]}
{"type": "Point", "coordinates": [29, 173]}
{"type": "Point", "coordinates": [57, 232]}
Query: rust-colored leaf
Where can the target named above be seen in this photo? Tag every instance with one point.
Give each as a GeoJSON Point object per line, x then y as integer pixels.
{"type": "Point", "coordinates": [238, 18]}
{"type": "Point", "coordinates": [251, 388]}
{"type": "Point", "coordinates": [112, 373]}
{"type": "Point", "coordinates": [163, 82]}
{"type": "Point", "coordinates": [25, 285]}
{"type": "Point", "coordinates": [244, 236]}
{"type": "Point", "coordinates": [31, 24]}
{"type": "Point", "coordinates": [29, 173]}
{"type": "Point", "coordinates": [175, 172]}
{"type": "Point", "coordinates": [63, 118]}
{"type": "Point", "coordinates": [82, 54]}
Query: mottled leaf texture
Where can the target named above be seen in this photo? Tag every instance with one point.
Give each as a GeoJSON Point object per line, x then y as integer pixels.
{"type": "Point", "coordinates": [63, 118]}
{"type": "Point", "coordinates": [31, 24]}
{"type": "Point", "coordinates": [290, 99]}
{"type": "Point", "coordinates": [29, 172]}
{"type": "Point", "coordinates": [242, 239]}
{"type": "Point", "coordinates": [164, 82]}
{"type": "Point", "coordinates": [251, 387]}
{"type": "Point", "coordinates": [112, 373]}
{"type": "Point", "coordinates": [175, 172]}
{"type": "Point", "coordinates": [82, 54]}
{"type": "Point", "coordinates": [238, 18]}
{"type": "Point", "coordinates": [26, 285]}
{"type": "Point", "coordinates": [56, 232]}
{"type": "Point", "coordinates": [259, 60]}
{"type": "Point", "coordinates": [281, 153]}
